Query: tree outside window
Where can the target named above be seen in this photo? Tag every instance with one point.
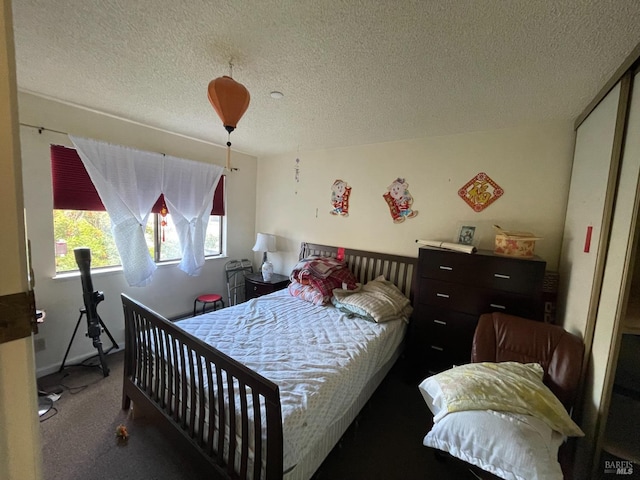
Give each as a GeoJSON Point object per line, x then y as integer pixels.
{"type": "Point", "coordinates": [92, 229]}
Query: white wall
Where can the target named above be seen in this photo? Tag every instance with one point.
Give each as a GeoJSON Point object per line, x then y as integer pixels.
{"type": "Point", "coordinates": [171, 291]}
{"type": "Point", "coordinates": [531, 163]}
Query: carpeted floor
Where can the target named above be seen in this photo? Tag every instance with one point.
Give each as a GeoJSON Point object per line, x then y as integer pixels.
{"type": "Point", "coordinates": [79, 440]}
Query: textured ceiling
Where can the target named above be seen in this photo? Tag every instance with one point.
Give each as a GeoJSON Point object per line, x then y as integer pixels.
{"type": "Point", "coordinates": [352, 72]}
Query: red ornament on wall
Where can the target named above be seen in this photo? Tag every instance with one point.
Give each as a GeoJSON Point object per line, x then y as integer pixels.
{"type": "Point", "coordinates": [480, 192]}
{"type": "Point", "coordinates": [163, 222]}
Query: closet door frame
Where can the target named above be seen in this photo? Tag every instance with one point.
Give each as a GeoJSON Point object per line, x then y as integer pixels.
{"type": "Point", "coordinates": [618, 271]}
{"type": "Point", "coordinates": [575, 235]}
{"type": "Point", "coordinates": [582, 268]}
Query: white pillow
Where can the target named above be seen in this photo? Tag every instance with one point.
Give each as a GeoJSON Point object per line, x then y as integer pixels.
{"type": "Point", "coordinates": [511, 446]}
{"type": "Point", "coordinates": [378, 300]}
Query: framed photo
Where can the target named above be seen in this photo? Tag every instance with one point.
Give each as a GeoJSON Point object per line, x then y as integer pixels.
{"type": "Point", "coordinates": [466, 234]}
{"type": "Point", "coordinates": [479, 233]}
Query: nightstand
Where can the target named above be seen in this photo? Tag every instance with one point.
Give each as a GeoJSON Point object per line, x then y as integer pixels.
{"type": "Point", "coordinates": [256, 287]}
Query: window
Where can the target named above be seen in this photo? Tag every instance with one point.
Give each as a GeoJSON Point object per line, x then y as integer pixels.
{"type": "Point", "coordinates": [80, 219]}
{"type": "Point", "coordinates": [166, 243]}
{"type": "Point", "coordinates": [83, 228]}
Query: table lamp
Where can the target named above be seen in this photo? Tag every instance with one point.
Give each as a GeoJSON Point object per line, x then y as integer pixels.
{"type": "Point", "coordinates": [265, 242]}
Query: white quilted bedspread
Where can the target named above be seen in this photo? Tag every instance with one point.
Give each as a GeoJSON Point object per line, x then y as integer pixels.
{"type": "Point", "coordinates": [319, 357]}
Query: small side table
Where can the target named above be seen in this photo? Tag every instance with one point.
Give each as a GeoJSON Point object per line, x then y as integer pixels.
{"type": "Point", "coordinates": [255, 286]}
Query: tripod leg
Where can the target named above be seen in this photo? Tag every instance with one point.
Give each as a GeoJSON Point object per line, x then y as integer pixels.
{"type": "Point", "coordinates": [106, 330]}
{"type": "Point", "coordinates": [82, 312]}
{"type": "Point", "coordinates": [103, 361]}
{"type": "Point", "coordinates": [93, 331]}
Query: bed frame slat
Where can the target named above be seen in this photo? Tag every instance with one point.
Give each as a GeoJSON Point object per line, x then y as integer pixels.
{"type": "Point", "coordinates": [176, 380]}
{"type": "Point", "coordinates": [231, 399]}
{"type": "Point", "coordinates": [257, 461]}
{"type": "Point", "coordinates": [244, 455]}
{"type": "Point", "coordinates": [193, 388]}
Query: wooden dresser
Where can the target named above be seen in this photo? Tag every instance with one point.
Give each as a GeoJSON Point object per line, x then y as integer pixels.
{"type": "Point", "coordinates": [455, 288]}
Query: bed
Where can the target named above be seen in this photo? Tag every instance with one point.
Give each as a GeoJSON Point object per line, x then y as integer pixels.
{"type": "Point", "coordinates": [271, 413]}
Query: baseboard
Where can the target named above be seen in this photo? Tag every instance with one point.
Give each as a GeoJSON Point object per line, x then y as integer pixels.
{"type": "Point", "coordinates": [180, 316]}
{"type": "Point", "coordinates": [73, 362]}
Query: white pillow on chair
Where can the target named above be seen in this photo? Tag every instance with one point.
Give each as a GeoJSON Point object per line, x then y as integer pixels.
{"type": "Point", "coordinates": [499, 417]}
{"type": "Point", "coordinates": [511, 446]}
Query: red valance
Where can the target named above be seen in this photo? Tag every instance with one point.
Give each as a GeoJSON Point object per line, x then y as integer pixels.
{"type": "Point", "coordinates": [74, 190]}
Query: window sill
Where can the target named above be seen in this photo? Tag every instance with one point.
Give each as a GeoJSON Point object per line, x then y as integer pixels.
{"type": "Point", "coordinates": [118, 269]}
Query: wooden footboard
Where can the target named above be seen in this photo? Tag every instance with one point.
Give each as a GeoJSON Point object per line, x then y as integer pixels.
{"type": "Point", "coordinates": [230, 413]}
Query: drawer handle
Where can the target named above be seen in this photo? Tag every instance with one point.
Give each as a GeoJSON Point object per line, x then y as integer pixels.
{"type": "Point", "coordinates": [440, 349]}
{"type": "Point", "coordinates": [439, 322]}
{"type": "Point", "coordinates": [443, 295]}
{"type": "Point", "coordinates": [255, 288]}
{"type": "Point", "coordinates": [445, 267]}
{"type": "Point", "coordinates": [495, 305]}
{"type": "Point", "coordinates": [501, 275]}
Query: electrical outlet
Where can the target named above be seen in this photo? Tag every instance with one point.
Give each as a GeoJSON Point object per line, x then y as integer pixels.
{"type": "Point", "coordinates": [39, 344]}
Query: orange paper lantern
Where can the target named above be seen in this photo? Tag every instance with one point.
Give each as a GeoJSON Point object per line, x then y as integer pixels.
{"type": "Point", "coordinates": [230, 100]}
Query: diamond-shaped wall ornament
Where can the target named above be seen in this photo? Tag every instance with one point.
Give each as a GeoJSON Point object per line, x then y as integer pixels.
{"type": "Point", "coordinates": [480, 192]}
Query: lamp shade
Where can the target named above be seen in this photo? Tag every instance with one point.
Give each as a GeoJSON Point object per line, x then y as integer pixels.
{"type": "Point", "coordinates": [229, 99]}
{"type": "Point", "coordinates": [265, 242]}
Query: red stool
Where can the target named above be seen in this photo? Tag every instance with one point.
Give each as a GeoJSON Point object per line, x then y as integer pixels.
{"type": "Point", "coordinates": [208, 298]}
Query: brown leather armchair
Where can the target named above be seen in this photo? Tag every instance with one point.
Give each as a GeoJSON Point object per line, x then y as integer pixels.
{"type": "Point", "coordinates": [506, 338]}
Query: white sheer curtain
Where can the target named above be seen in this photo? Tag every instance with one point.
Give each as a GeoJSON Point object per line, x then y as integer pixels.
{"type": "Point", "coordinates": [188, 188]}
{"type": "Point", "coordinates": [129, 182]}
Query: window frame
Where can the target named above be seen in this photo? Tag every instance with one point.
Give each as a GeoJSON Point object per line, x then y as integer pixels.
{"type": "Point", "coordinates": [73, 187]}
{"type": "Point", "coordinates": [157, 244]}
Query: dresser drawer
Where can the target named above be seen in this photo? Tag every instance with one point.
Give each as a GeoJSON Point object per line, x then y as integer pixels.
{"type": "Point", "coordinates": [447, 266]}
{"type": "Point", "coordinates": [255, 286]}
{"type": "Point", "coordinates": [446, 327]}
{"type": "Point", "coordinates": [258, 289]}
{"type": "Point", "coordinates": [443, 337]}
{"type": "Point", "coordinates": [432, 358]}
{"type": "Point", "coordinates": [484, 270]}
{"type": "Point", "coordinates": [475, 301]}
{"type": "Point", "coordinates": [512, 275]}
{"type": "Point", "coordinates": [458, 349]}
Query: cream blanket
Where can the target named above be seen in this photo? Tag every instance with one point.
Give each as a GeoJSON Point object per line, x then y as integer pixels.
{"type": "Point", "coordinates": [506, 386]}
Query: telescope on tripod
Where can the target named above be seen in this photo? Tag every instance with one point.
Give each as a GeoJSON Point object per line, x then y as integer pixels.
{"type": "Point", "coordinates": [95, 325]}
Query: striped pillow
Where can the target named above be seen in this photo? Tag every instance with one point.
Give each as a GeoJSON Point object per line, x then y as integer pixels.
{"type": "Point", "coordinates": [379, 301]}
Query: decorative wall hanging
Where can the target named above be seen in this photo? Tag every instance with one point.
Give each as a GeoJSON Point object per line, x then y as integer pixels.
{"type": "Point", "coordinates": [340, 193]}
{"type": "Point", "coordinates": [399, 201]}
{"type": "Point", "coordinates": [163, 214]}
{"type": "Point", "coordinates": [297, 177]}
{"type": "Point", "coordinates": [230, 100]}
{"type": "Point", "coordinates": [480, 192]}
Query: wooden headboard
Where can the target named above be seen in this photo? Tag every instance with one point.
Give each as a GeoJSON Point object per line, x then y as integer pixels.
{"type": "Point", "coordinates": [366, 265]}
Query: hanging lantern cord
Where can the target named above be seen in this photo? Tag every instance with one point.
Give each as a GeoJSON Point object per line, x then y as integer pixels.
{"type": "Point", "coordinates": [229, 151]}
{"type": "Point", "coordinates": [229, 130]}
